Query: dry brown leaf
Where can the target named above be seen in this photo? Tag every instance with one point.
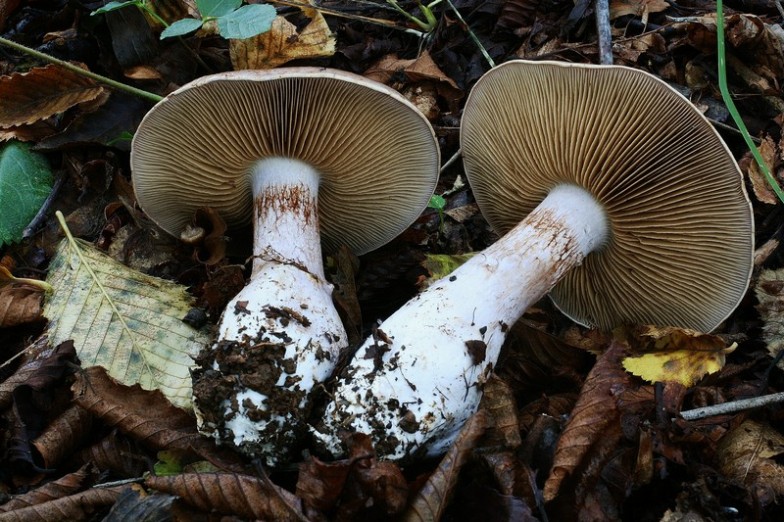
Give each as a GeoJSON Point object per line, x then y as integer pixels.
{"type": "Point", "coordinates": [429, 503]}
{"type": "Point", "coordinates": [118, 454]}
{"type": "Point", "coordinates": [6, 8]}
{"type": "Point", "coordinates": [146, 416]}
{"type": "Point", "coordinates": [232, 494]}
{"type": "Point", "coordinates": [770, 295]}
{"type": "Point", "coordinates": [282, 44]}
{"type": "Point", "coordinates": [641, 8]}
{"type": "Point", "coordinates": [420, 69]}
{"type": "Point", "coordinates": [498, 400]}
{"type": "Point", "coordinates": [759, 184]}
{"type": "Point", "coordinates": [747, 455]}
{"type": "Point", "coordinates": [79, 506]}
{"type": "Point", "coordinates": [320, 484]}
{"type": "Point", "coordinates": [593, 419]}
{"type": "Point", "coordinates": [41, 370]}
{"type": "Point", "coordinates": [41, 93]}
{"type": "Point", "coordinates": [19, 305]}
{"type": "Point", "coordinates": [63, 435]}
{"type": "Point", "coordinates": [64, 486]}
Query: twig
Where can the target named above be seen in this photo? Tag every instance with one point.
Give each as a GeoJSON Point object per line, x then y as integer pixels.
{"type": "Point", "coordinates": [602, 14]}
{"type": "Point", "coordinates": [732, 407]}
{"type": "Point", "coordinates": [78, 70]}
{"type": "Point", "coordinates": [451, 160]}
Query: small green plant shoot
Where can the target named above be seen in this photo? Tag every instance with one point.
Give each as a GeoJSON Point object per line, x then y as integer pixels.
{"type": "Point", "coordinates": [235, 21]}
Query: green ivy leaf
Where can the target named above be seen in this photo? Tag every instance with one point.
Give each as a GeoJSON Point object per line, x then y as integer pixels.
{"type": "Point", "coordinates": [25, 183]}
{"type": "Point", "coordinates": [217, 8]}
{"type": "Point", "coordinates": [181, 27]}
{"type": "Point", "coordinates": [247, 21]}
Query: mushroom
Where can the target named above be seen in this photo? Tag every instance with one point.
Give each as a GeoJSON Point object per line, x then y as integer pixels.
{"type": "Point", "coordinates": [309, 156]}
{"type": "Point", "coordinates": [613, 193]}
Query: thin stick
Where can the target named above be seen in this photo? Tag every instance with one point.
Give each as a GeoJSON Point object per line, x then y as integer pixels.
{"type": "Point", "coordinates": [602, 13]}
{"type": "Point", "coordinates": [78, 70]}
{"type": "Point", "coordinates": [732, 407]}
{"type": "Point", "coordinates": [471, 34]}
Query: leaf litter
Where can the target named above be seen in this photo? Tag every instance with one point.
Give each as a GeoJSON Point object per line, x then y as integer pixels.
{"type": "Point", "coordinates": [565, 432]}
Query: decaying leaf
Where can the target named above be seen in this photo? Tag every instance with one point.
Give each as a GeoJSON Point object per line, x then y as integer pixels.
{"type": "Point", "coordinates": [641, 8]}
{"type": "Point", "coordinates": [747, 455]}
{"type": "Point", "coordinates": [125, 321]}
{"type": "Point", "coordinates": [431, 501]}
{"type": "Point", "coordinates": [63, 435]}
{"type": "Point", "coordinates": [676, 355]}
{"type": "Point", "coordinates": [134, 504]}
{"type": "Point", "coordinates": [43, 369]}
{"type": "Point", "coordinates": [41, 93]}
{"type": "Point", "coordinates": [232, 494]}
{"type": "Point", "coordinates": [118, 454]}
{"type": "Point", "coordinates": [282, 43]}
{"type": "Point", "coordinates": [594, 420]}
{"type": "Point", "coordinates": [19, 306]}
{"type": "Point", "coordinates": [770, 294]}
{"type": "Point", "coordinates": [64, 486]}
{"type": "Point", "coordinates": [759, 184]}
{"type": "Point", "coordinates": [79, 506]}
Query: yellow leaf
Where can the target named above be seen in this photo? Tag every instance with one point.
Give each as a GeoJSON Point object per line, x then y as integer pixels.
{"type": "Point", "coordinates": [123, 320]}
{"type": "Point", "coordinates": [283, 44]}
{"type": "Point", "coordinates": [683, 366]}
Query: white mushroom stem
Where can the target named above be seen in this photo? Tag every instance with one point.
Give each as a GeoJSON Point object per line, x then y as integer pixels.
{"type": "Point", "coordinates": [281, 335]}
{"type": "Point", "coordinates": [413, 385]}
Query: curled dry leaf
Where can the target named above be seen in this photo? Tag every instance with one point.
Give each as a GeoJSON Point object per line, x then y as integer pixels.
{"type": "Point", "coordinates": [79, 506]}
{"type": "Point", "coordinates": [134, 504]}
{"type": "Point", "coordinates": [641, 8]}
{"type": "Point", "coordinates": [320, 484]}
{"type": "Point", "coordinates": [747, 454]}
{"type": "Point", "coordinates": [64, 486]}
{"type": "Point", "coordinates": [593, 419]}
{"type": "Point", "coordinates": [41, 93]}
{"type": "Point", "coordinates": [431, 501]}
{"type": "Point", "coordinates": [759, 184]}
{"type": "Point", "coordinates": [39, 372]}
{"type": "Point", "coordinates": [63, 435]}
{"type": "Point", "coordinates": [499, 402]}
{"type": "Point", "coordinates": [282, 44]}
{"type": "Point", "coordinates": [232, 494]}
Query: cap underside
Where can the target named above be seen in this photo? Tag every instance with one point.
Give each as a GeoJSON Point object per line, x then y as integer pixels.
{"type": "Point", "coordinates": [376, 154]}
{"type": "Point", "coordinates": [681, 226]}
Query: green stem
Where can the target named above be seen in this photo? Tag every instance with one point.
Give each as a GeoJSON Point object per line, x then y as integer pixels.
{"type": "Point", "coordinates": [78, 70]}
{"type": "Point", "coordinates": [725, 94]}
{"type": "Point", "coordinates": [472, 35]}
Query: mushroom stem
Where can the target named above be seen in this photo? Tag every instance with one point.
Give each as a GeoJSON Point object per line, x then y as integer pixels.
{"type": "Point", "coordinates": [413, 385]}
{"type": "Point", "coordinates": [281, 335]}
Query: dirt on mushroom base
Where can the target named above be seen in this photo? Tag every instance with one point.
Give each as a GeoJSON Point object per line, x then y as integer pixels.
{"type": "Point", "coordinates": [230, 373]}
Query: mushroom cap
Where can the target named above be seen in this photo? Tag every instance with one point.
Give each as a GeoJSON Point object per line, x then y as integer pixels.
{"type": "Point", "coordinates": [376, 154]}
{"type": "Point", "coordinates": [681, 230]}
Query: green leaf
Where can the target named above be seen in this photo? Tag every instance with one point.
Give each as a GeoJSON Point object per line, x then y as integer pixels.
{"type": "Point", "coordinates": [169, 463]}
{"type": "Point", "coordinates": [217, 8]}
{"type": "Point", "coordinates": [247, 21]}
{"type": "Point", "coordinates": [437, 202]}
{"type": "Point", "coordinates": [123, 320]}
{"type": "Point", "coordinates": [25, 183]}
{"type": "Point", "coordinates": [181, 27]}
{"type": "Point", "coordinates": [113, 6]}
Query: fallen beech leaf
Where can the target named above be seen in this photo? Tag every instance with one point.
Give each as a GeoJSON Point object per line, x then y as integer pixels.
{"type": "Point", "coordinates": [64, 486]}
{"type": "Point", "coordinates": [125, 321]}
{"type": "Point", "coordinates": [759, 184]}
{"type": "Point", "coordinates": [63, 435]}
{"type": "Point", "coordinates": [641, 8]}
{"type": "Point", "coordinates": [118, 454]}
{"type": "Point", "coordinates": [675, 354]}
{"type": "Point", "coordinates": [19, 305]}
{"type": "Point", "coordinates": [41, 371]}
{"type": "Point", "coordinates": [320, 484]}
{"type": "Point", "coordinates": [747, 454]}
{"type": "Point", "coordinates": [283, 44]}
{"type": "Point", "coordinates": [232, 494]}
{"type": "Point", "coordinates": [770, 294]}
{"type": "Point", "coordinates": [595, 419]}
{"type": "Point", "coordinates": [134, 504]}
{"type": "Point", "coordinates": [431, 501]}
{"type": "Point", "coordinates": [79, 506]}
{"type": "Point", "coordinates": [41, 93]}
{"type": "Point", "coordinates": [498, 400]}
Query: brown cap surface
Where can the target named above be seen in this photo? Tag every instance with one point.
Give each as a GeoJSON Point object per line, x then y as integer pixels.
{"type": "Point", "coordinates": [681, 227]}
{"type": "Point", "coordinates": [377, 156]}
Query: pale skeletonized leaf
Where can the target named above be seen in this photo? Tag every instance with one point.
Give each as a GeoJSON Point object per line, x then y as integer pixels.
{"type": "Point", "coordinates": [123, 320]}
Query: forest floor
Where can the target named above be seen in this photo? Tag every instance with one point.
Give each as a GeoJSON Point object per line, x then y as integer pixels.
{"type": "Point", "coordinates": [566, 434]}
